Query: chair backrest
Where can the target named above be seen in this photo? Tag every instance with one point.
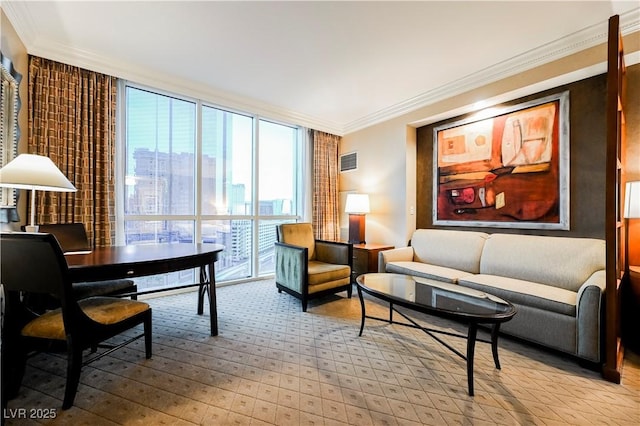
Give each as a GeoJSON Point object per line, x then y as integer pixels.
{"type": "Point", "coordinates": [34, 263]}
{"type": "Point", "coordinates": [71, 236]}
{"type": "Point", "coordinates": [298, 234]}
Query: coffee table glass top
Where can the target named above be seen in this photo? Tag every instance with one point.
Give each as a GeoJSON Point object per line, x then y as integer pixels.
{"type": "Point", "coordinates": [433, 295]}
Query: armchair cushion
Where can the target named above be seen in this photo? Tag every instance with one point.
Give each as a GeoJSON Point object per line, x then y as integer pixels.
{"type": "Point", "coordinates": [298, 234]}
{"type": "Point", "coordinates": [320, 272]}
{"type": "Point", "coordinates": [331, 252]}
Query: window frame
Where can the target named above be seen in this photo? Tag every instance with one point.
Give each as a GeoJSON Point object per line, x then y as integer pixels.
{"type": "Point", "coordinates": [301, 154]}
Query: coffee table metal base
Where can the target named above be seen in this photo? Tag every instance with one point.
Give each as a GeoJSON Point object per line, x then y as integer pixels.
{"type": "Point", "coordinates": [471, 337]}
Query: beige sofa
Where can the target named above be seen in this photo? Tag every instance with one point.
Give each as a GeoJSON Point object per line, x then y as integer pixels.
{"type": "Point", "coordinates": [556, 283]}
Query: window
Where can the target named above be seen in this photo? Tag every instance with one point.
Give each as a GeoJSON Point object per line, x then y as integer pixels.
{"type": "Point", "coordinates": [227, 178]}
{"type": "Point", "coordinates": [279, 182]}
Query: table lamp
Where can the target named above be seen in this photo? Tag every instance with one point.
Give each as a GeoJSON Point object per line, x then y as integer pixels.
{"type": "Point", "coordinates": [357, 205]}
{"type": "Point", "coordinates": [29, 171]}
{"type": "Point", "coordinates": [631, 211]}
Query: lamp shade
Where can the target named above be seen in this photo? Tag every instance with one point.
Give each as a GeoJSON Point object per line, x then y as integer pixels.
{"type": "Point", "coordinates": [632, 200]}
{"type": "Point", "coordinates": [35, 172]}
{"type": "Point", "coordinates": [357, 204]}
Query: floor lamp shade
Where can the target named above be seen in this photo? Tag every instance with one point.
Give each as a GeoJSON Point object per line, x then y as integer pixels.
{"type": "Point", "coordinates": [632, 200]}
{"type": "Point", "coordinates": [34, 172]}
{"type": "Point", "coordinates": [357, 206]}
{"type": "Point", "coordinates": [631, 211]}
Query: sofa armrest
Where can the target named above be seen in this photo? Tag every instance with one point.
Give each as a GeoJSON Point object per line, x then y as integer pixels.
{"type": "Point", "coordinates": [597, 279]}
{"type": "Point", "coordinates": [291, 266]}
{"type": "Point", "coordinates": [334, 252]}
{"type": "Point", "coordinates": [402, 254]}
{"type": "Point", "coordinates": [589, 312]}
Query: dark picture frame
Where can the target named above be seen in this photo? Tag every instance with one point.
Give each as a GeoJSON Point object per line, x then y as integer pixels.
{"type": "Point", "coordinates": [505, 167]}
{"type": "Point", "coordinates": [9, 133]}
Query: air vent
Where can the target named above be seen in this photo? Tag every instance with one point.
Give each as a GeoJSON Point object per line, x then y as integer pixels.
{"type": "Point", "coordinates": [348, 162]}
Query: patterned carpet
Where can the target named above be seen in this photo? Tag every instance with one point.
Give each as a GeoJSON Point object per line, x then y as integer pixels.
{"type": "Point", "coordinates": [273, 364]}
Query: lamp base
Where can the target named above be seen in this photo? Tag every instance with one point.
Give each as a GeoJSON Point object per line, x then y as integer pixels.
{"type": "Point", "coordinates": [356, 229]}
{"type": "Point", "coordinates": [31, 228]}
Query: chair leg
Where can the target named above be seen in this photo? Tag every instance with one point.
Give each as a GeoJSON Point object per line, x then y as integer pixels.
{"type": "Point", "coordinates": [134, 296]}
{"type": "Point", "coordinates": [147, 335]}
{"type": "Point", "coordinates": [349, 291]}
{"type": "Point", "coordinates": [13, 366]}
{"type": "Point", "coordinates": [74, 365]}
{"type": "Point", "coordinates": [304, 305]}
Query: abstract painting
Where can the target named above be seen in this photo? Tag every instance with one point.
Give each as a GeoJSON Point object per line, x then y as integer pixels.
{"type": "Point", "coordinates": [505, 167]}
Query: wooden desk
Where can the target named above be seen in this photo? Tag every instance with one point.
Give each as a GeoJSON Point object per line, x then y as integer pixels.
{"type": "Point", "coordinates": [150, 259]}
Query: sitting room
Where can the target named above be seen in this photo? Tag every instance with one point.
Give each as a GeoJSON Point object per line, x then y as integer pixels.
{"type": "Point", "coordinates": [341, 213]}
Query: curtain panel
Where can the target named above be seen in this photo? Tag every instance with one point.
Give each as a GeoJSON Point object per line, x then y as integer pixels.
{"type": "Point", "coordinates": [325, 185]}
{"type": "Point", "coordinates": [72, 115]}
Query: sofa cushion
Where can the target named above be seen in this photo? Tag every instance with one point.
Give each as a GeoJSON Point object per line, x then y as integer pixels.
{"type": "Point", "coordinates": [451, 249]}
{"type": "Point", "coordinates": [536, 295]}
{"type": "Point", "coordinates": [560, 262]}
{"type": "Point", "coordinates": [425, 270]}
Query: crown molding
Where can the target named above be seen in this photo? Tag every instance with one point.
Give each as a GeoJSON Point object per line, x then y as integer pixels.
{"type": "Point", "coordinates": [573, 43]}
{"type": "Point", "coordinates": [176, 85]}
{"type": "Point", "coordinates": [21, 20]}
{"type": "Point", "coordinates": [27, 31]}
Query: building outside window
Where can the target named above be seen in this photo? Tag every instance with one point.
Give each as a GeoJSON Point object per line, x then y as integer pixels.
{"type": "Point", "coordinates": [196, 172]}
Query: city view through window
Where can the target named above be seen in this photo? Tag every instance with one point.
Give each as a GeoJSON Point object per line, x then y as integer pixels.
{"type": "Point", "coordinates": [230, 181]}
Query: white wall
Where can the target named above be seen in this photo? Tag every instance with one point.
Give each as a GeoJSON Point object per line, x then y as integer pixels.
{"type": "Point", "coordinates": [384, 154]}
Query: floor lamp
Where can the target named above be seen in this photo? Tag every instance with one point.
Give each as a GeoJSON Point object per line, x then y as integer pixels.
{"type": "Point", "coordinates": [34, 172]}
{"type": "Point", "coordinates": [631, 211]}
{"type": "Point", "coordinates": [630, 299]}
{"type": "Point", "coordinates": [357, 206]}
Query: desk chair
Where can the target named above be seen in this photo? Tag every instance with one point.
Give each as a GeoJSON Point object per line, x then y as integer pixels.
{"type": "Point", "coordinates": [34, 263]}
{"type": "Point", "coordinates": [307, 268]}
{"type": "Point", "coordinates": [73, 237]}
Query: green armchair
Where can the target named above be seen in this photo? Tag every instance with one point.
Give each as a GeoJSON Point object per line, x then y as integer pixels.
{"type": "Point", "coordinates": [307, 268]}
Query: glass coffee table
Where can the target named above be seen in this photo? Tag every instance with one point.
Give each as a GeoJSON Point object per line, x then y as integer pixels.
{"type": "Point", "coordinates": [441, 299]}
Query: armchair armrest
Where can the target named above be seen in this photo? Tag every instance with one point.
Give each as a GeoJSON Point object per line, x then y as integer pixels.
{"type": "Point", "coordinates": [291, 265]}
{"type": "Point", "coordinates": [334, 252]}
{"type": "Point", "coordinates": [402, 254]}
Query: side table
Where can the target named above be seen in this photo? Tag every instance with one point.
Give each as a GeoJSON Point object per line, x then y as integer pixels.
{"type": "Point", "coordinates": [365, 258]}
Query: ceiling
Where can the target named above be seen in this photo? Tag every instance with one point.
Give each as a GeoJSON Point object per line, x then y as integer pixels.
{"type": "Point", "coordinates": [334, 66]}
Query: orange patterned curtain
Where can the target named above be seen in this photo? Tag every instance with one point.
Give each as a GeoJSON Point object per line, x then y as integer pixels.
{"type": "Point", "coordinates": [72, 114]}
{"type": "Point", "coordinates": [325, 185]}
